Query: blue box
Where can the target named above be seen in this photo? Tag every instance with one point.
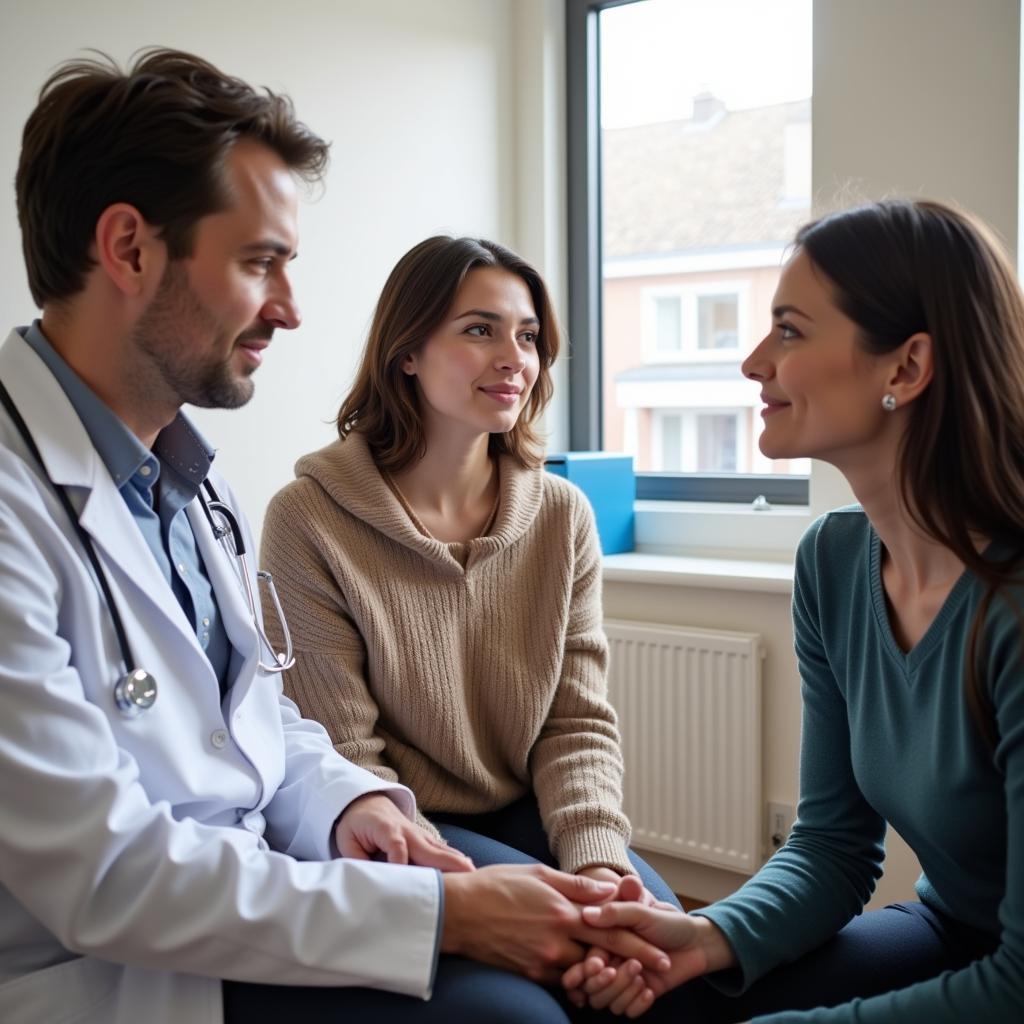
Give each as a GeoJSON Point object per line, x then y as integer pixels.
{"type": "Point", "coordinates": [609, 483]}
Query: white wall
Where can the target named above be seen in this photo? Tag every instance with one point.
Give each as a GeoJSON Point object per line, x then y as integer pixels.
{"type": "Point", "coordinates": [420, 100]}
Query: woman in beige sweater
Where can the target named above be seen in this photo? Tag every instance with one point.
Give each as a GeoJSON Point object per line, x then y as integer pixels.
{"type": "Point", "coordinates": [443, 591]}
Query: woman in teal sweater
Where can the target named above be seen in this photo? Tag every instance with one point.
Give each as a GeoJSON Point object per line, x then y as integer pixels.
{"type": "Point", "coordinates": [896, 354]}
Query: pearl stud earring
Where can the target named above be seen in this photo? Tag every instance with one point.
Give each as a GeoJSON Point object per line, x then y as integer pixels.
{"type": "Point", "coordinates": [888, 402]}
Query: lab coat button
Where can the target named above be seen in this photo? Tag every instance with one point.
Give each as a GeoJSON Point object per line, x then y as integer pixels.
{"type": "Point", "coordinates": [219, 738]}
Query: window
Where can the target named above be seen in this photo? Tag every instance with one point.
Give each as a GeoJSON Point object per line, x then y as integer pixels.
{"type": "Point", "coordinates": [685, 441]}
{"type": "Point", "coordinates": [689, 173]}
{"type": "Point", "coordinates": [692, 323]}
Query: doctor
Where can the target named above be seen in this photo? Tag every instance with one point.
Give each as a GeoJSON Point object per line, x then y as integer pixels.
{"type": "Point", "coordinates": [170, 840]}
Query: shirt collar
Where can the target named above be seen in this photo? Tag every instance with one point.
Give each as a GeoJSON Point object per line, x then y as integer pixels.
{"type": "Point", "coordinates": [179, 445]}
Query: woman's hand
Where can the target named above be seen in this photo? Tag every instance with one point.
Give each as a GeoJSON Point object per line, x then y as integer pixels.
{"type": "Point", "coordinates": [372, 827]}
{"type": "Point", "coordinates": [695, 946]}
{"type": "Point", "coordinates": [630, 889]}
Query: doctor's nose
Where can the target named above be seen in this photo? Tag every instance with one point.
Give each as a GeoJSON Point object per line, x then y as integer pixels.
{"type": "Point", "coordinates": [282, 311]}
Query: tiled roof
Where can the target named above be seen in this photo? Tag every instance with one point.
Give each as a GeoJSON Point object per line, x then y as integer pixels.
{"type": "Point", "coordinates": [683, 185]}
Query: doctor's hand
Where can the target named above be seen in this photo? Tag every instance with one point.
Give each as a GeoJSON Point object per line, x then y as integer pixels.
{"type": "Point", "coordinates": [528, 918]}
{"type": "Point", "coordinates": [695, 946]}
{"type": "Point", "coordinates": [373, 828]}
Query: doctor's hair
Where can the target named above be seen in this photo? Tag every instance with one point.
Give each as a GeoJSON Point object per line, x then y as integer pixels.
{"type": "Point", "coordinates": [384, 403]}
{"type": "Point", "coordinates": [154, 136]}
{"type": "Point", "coordinates": [901, 267]}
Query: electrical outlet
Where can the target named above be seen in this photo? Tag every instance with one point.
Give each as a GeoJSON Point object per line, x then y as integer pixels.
{"type": "Point", "coordinates": [777, 825]}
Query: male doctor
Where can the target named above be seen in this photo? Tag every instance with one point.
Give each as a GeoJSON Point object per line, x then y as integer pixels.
{"type": "Point", "coordinates": [181, 846]}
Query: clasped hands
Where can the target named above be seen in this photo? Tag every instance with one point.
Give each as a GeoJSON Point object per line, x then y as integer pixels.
{"type": "Point", "coordinates": [604, 938]}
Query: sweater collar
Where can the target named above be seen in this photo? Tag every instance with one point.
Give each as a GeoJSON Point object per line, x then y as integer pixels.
{"type": "Point", "coordinates": [346, 471]}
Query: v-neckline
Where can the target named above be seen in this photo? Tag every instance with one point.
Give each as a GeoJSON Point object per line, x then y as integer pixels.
{"type": "Point", "coordinates": [909, 660]}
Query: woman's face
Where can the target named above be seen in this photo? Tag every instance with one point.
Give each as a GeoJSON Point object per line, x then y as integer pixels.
{"type": "Point", "coordinates": [476, 371]}
{"type": "Point", "coordinates": [822, 391]}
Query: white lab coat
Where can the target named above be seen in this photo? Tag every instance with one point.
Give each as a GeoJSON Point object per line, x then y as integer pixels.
{"type": "Point", "coordinates": [130, 881]}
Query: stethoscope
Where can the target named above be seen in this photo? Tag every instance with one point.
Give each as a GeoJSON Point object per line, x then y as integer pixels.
{"type": "Point", "coordinates": [136, 690]}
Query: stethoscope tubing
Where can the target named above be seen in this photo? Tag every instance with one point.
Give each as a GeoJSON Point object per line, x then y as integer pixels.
{"type": "Point", "coordinates": [136, 690]}
{"type": "Point", "coordinates": [86, 540]}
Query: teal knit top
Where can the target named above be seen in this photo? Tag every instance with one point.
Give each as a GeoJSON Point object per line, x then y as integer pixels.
{"type": "Point", "coordinates": [888, 737]}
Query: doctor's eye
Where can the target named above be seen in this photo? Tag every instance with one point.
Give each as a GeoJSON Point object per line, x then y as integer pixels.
{"type": "Point", "coordinates": [478, 330]}
{"type": "Point", "coordinates": [787, 331]}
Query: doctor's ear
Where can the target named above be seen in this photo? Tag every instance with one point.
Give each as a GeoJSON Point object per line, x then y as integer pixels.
{"type": "Point", "coordinates": [129, 250]}
{"type": "Point", "coordinates": [409, 364]}
{"type": "Point", "coordinates": [912, 369]}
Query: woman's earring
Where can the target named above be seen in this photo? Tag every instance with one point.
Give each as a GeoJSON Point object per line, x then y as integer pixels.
{"type": "Point", "coordinates": [888, 402]}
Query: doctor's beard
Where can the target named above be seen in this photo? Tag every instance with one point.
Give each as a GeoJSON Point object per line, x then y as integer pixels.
{"type": "Point", "coordinates": [188, 349]}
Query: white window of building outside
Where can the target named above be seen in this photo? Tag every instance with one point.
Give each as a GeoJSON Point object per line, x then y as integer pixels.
{"type": "Point", "coordinates": [705, 156]}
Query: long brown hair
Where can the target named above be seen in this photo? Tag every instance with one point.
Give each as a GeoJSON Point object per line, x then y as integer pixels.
{"type": "Point", "coordinates": [383, 404]}
{"type": "Point", "coordinates": [155, 136]}
{"type": "Point", "coordinates": [901, 267]}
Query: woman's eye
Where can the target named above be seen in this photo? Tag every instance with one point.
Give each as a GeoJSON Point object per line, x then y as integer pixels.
{"type": "Point", "coordinates": [786, 332]}
{"type": "Point", "coordinates": [478, 330]}
{"type": "Point", "coordinates": [528, 337]}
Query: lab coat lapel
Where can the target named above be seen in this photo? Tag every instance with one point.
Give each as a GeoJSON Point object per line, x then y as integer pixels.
{"type": "Point", "coordinates": [73, 462]}
{"type": "Point", "coordinates": [231, 600]}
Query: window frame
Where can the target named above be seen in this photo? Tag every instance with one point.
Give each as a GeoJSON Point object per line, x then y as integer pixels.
{"type": "Point", "coordinates": [585, 262]}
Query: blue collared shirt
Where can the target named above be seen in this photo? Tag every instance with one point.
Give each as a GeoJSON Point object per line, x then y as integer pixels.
{"type": "Point", "coordinates": [156, 486]}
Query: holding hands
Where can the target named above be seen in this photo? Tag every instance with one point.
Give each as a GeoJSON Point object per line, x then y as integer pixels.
{"type": "Point", "coordinates": [606, 932]}
{"type": "Point", "coordinates": [530, 919]}
{"type": "Point", "coordinates": [626, 986]}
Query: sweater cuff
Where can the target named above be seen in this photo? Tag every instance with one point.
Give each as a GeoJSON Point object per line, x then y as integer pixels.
{"type": "Point", "coordinates": [733, 981]}
{"type": "Point", "coordinates": [428, 826]}
{"type": "Point", "coordinates": [593, 847]}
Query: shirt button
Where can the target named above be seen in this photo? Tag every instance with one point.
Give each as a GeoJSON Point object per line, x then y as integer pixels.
{"type": "Point", "coordinates": [206, 622]}
{"type": "Point", "coordinates": [145, 470]}
{"type": "Point", "coordinates": [181, 568]}
{"type": "Point", "coordinates": [219, 738]}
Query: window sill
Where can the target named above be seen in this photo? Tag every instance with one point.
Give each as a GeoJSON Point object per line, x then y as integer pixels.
{"type": "Point", "coordinates": [751, 575]}
{"type": "Point", "coordinates": [730, 533]}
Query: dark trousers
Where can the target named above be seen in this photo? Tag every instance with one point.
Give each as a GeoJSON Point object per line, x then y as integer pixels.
{"type": "Point", "coordinates": [515, 835]}
{"type": "Point", "coordinates": [879, 951]}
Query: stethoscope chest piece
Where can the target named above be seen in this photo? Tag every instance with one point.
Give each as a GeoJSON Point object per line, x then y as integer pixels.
{"type": "Point", "coordinates": [135, 693]}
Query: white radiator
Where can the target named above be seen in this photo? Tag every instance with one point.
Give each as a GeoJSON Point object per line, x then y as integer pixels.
{"type": "Point", "coordinates": [689, 706]}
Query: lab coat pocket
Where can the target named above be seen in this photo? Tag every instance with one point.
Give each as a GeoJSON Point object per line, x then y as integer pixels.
{"type": "Point", "coordinates": [73, 992]}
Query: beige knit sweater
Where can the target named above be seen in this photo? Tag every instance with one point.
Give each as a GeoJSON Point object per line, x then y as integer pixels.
{"type": "Point", "coordinates": [468, 672]}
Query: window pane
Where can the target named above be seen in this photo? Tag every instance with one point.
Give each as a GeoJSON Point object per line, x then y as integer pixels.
{"type": "Point", "coordinates": [671, 443]}
{"type": "Point", "coordinates": [718, 321]}
{"type": "Point", "coordinates": [716, 444]}
{"type": "Point", "coordinates": [669, 323]}
{"type": "Point", "coordinates": [705, 150]}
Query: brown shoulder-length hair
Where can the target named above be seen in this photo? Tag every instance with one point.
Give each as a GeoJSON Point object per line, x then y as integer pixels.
{"type": "Point", "coordinates": [383, 404]}
{"type": "Point", "coordinates": [901, 267]}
